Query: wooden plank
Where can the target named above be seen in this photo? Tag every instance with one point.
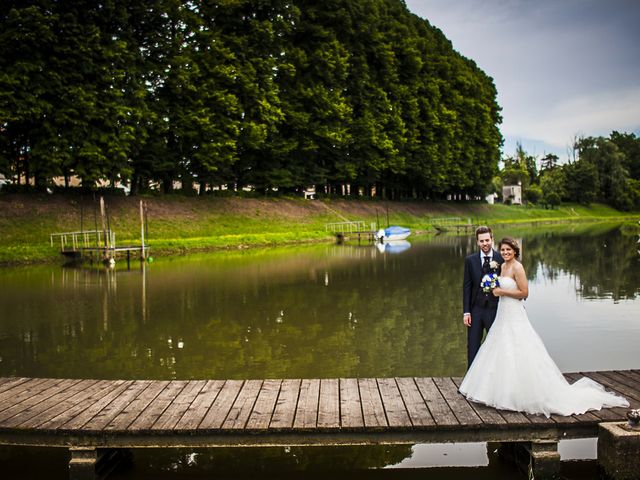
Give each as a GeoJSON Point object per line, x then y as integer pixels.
{"type": "Point", "coordinates": [630, 385]}
{"type": "Point", "coordinates": [150, 415]}
{"type": "Point", "coordinates": [82, 412]}
{"type": "Point", "coordinates": [633, 376]}
{"type": "Point", "coordinates": [12, 382]}
{"type": "Point", "coordinates": [612, 384]}
{"type": "Point", "coordinates": [329, 404]}
{"type": "Point", "coordinates": [50, 402]}
{"type": "Point", "coordinates": [200, 406]}
{"type": "Point", "coordinates": [459, 405]}
{"type": "Point", "coordinates": [394, 406]}
{"type": "Point", "coordinates": [178, 406]}
{"type": "Point", "coordinates": [372, 408]}
{"type": "Point", "coordinates": [563, 419]}
{"type": "Point", "coordinates": [513, 418]}
{"type": "Point", "coordinates": [111, 410]}
{"type": "Point", "coordinates": [12, 397]}
{"type": "Point", "coordinates": [416, 406]}
{"type": "Point", "coordinates": [488, 415]}
{"type": "Point", "coordinates": [539, 419]}
{"type": "Point", "coordinates": [4, 380]}
{"type": "Point", "coordinates": [436, 403]}
{"type": "Point", "coordinates": [307, 410]}
{"type": "Point", "coordinates": [242, 407]}
{"type": "Point", "coordinates": [265, 404]}
{"type": "Point", "coordinates": [285, 410]}
{"type": "Point", "coordinates": [65, 406]}
{"type": "Point", "coordinates": [30, 397]}
{"type": "Point", "coordinates": [220, 408]}
{"type": "Point", "coordinates": [350, 404]}
{"type": "Point", "coordinates": [131, 411]}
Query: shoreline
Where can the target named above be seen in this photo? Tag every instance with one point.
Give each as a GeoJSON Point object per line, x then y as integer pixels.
{"type": "Point", "coordinates": [187, 225]}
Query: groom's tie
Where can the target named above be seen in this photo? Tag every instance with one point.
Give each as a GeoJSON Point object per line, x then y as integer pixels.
{"type": "Point", "coordinates": [485, 265]}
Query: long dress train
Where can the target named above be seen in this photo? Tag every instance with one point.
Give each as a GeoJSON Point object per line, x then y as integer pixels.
{"type": "Point", "coordinates": [513, 370]}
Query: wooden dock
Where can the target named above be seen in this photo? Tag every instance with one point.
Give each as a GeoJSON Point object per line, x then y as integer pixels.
{"type": "Point", "coordinates": [89, 415]}
{"type": "Point", "coordinates": [448, 224]}
{"type": "Point", "coordinates": [95, 245]}
{"type": "Point", "coordinates": [100, 245]}
{"type": "Point", "coordinates": [343, 231]}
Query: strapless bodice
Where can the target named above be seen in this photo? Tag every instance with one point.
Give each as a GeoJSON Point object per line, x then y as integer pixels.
{"type": "Point", "coordinates": [507, 283]}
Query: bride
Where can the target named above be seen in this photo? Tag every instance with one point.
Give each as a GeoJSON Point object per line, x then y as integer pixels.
{"type": "Point", "coordinates": [513, 370]}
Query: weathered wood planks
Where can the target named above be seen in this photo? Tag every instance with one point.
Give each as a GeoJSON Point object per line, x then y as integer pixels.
{"type": "Point", "coordinates": [275, 406]}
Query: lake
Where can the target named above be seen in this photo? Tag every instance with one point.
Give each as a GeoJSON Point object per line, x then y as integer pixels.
{"type": "Point", "coordinates": [316, 311]}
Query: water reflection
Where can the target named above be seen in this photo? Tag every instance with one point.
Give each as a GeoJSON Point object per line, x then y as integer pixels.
{"type": "Point", "coordinates": [394, 246]}
{"type": "Point", "coordinates": [349, 463]}
{"type": "Point", "coordinates": [319, 311]}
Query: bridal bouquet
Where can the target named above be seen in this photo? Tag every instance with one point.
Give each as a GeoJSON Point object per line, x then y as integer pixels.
{"type": "Point", "coordinates": [489, 282]}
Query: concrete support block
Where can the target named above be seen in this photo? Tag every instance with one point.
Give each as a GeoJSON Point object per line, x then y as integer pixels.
{"type": "Point", "coordinates": [88, 463]}
{"type": "Point", "coordinates": [544, 460]}
{"type": "Point", "coordinates": [540, 460]}
{"type": "Point", "coordinates": [82, 465]}
{"type": "Point", "coordinates": [619, 451]}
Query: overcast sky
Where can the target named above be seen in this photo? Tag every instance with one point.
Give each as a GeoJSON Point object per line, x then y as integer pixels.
{"type": "Point", "coordinates": [562, 67]}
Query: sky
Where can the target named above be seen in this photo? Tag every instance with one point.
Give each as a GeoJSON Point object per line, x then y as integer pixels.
{"type": "Point", "coordinates": [562, 68]}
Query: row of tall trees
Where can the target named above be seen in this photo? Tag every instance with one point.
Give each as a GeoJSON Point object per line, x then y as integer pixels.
{"type": "Point", "coordinates": [262, 93]}
{"type": "Point", "coordinates": [600, 169]}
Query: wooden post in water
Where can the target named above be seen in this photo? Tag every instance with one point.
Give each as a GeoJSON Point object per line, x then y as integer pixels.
{"type": "Point", "coordinates": [104, 227]}
{"type": "Point", "coordinates": [142, 253]}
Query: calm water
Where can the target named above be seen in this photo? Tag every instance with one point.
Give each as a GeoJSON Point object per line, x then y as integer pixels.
{"type": "Point", "coordinates": [315, 311]}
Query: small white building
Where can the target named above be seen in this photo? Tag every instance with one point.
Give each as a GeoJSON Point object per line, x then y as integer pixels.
{"type": "Point", "coordinates": [491, 198]}
{"type": "Point", "coordinates": [512, 194]}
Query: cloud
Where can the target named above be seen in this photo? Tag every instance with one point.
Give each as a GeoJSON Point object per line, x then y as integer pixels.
{"type": "Point", "coordinates": [560, 67]}
{"type": "Point", "coordinates": [593, 114]}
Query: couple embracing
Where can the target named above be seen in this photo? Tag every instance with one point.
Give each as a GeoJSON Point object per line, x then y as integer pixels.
{"type": "Point", "coordinates": [512, 369]}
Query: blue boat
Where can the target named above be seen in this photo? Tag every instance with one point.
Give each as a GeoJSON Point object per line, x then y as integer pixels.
{"type": "Point", "coordinates": [393, 233]}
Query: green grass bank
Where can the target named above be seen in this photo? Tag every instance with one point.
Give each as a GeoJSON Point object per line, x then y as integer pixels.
{"type": "Point", "coordinates": [178, 224]}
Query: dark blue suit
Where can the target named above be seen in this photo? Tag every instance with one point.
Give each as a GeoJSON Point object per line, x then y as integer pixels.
{"type": "Point", "coordinates": [482, 306]}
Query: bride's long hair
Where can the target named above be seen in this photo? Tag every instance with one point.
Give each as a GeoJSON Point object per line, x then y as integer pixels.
{"type": "Point", "coordinates": [512, 243]}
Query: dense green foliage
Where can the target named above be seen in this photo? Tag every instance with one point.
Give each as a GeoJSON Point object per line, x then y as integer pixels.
{"type": "Point", "coordinates": [605, 170]}
{"type": "Point", "coordinates": [268, 94]}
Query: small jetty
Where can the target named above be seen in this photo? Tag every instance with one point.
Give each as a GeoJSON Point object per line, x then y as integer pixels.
{"type": "Point", "coordinates": [100, 245]}
{"type": "Point", "coordinates": [95, 419]}
{"type": "Point", "coordinates": [345, 230]}
{"type": "Point", "coordinates": [457, 224]}
{"type": "Point", "coordinates": [94, 245]}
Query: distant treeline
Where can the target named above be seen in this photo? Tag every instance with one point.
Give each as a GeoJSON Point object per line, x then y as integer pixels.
{"type": "Point", "coordinates": [260, 93]}
{"type": "Point", "coordinates": [600, 169]}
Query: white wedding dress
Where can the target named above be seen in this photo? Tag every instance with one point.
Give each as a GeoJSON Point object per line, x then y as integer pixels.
{"type": "Point", "coordinates": [513, 370]}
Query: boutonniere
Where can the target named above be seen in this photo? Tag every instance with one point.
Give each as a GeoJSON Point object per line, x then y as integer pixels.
{"type": "Point", "coordinates": [493, 265]}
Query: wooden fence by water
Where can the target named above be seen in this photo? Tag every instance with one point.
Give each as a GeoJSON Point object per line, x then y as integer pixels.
{"type": "Point", "coordinates": [345, 230]}
{"type": "Point", "coordinates": [457, 224]}
{"type": "Point", "coordinates": [89, 415]}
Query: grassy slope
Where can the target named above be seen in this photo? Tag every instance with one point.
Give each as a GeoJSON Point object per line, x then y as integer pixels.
{"type": "Point", "coordinates": [184, 224]}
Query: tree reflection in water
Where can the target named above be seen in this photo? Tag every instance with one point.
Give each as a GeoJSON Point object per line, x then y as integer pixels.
{"type": "Point", "coordinates": [305, 312]}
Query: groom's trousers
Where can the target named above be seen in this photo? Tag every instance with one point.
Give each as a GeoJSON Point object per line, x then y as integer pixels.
{"type": "Point", "coordinates": [482, 318]}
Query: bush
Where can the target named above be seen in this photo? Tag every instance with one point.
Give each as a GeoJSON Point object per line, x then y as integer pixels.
{"type": "Point", "coordinates": [552, 199]}
{"type": "Point", "coordinates": [533, 194]}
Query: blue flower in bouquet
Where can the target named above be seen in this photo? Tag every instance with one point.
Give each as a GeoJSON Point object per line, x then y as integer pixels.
{"type": "Point", "coordinates": [489, 282]}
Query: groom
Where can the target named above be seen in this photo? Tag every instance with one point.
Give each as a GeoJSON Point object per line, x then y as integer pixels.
{"type": "Point", "coordinates": [479, 308]}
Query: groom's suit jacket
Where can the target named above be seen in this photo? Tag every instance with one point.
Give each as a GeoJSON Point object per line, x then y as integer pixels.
{"type": "Point", "coordinates": [472, 294]}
